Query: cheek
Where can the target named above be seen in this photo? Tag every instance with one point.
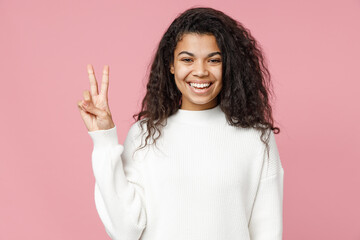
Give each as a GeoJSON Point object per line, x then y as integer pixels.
{"type": "Point", "coordinates": [181, 73]}
{"type": "Point", "coordinates": [218, 75]}
{"type": "Point", "coordinates": [180, 78]}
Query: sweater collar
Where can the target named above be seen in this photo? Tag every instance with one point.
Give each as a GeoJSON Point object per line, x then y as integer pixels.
{"type": "Point", "coordinates": [200, 117]}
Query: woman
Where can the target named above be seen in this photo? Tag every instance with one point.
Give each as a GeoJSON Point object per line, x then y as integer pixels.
{"type": "Point", "coordinates": [204, 170]}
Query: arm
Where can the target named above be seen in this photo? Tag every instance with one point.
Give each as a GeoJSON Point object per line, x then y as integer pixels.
{"type": "Point", "coordinates": [266, 222]}
{"type": "Point", "coordinates": [118, 185]}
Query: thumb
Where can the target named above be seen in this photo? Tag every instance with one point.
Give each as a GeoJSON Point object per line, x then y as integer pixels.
{"type": "Point", "coordinates": [94, 110]}
{"type": "Point", "coordinates": [89, 106]}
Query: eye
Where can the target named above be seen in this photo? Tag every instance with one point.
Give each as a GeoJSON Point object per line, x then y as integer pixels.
{"type": "Point", "coordinates": [215, 60]}
{"type": "Point", "coordinates": [186, 59]}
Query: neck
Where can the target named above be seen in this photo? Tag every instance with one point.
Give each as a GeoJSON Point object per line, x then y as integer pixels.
{"type": "Point", "coordinates": [186, 105]}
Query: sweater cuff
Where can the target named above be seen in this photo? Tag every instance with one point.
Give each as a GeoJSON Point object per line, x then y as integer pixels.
{"type": "Point", "coordinates": [104, 138]}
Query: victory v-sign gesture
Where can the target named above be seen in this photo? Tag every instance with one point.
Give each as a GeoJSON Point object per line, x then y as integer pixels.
{"type": "Point", "coordinates": [94, 108]}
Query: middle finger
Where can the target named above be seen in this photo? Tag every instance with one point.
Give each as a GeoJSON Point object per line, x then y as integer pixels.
{"type": "Point", "coordinates": [105, 81]}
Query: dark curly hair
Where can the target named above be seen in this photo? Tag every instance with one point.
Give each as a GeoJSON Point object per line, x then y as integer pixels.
{"type": "Point", "coordinates": [244, 96]}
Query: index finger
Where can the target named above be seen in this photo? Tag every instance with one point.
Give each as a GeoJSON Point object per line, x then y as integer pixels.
{"type": "Point", "coordinates": [93, 83]}
{"type": "Point", "coordinates": [105, 81]}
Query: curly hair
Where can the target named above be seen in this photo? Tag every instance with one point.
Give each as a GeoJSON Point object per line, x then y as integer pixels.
{"type": "Point", "coordinates": [244, 96]}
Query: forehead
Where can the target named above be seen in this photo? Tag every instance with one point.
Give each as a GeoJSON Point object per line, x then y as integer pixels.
{"type": "Point", "coordinates": [194, 42]}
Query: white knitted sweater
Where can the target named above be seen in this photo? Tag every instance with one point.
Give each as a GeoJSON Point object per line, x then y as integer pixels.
{"type": "Point", "coordinates": [204, 180]}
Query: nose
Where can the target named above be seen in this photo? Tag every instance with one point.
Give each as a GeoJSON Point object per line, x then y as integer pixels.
{"type": "Point", "coordinates": [200, 69]}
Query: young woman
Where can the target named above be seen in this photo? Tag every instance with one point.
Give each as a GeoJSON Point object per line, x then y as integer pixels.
{"type": "Point", "coordinates": [200, 161]}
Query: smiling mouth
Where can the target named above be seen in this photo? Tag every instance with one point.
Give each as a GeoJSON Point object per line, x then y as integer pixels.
{"type": "Point", "coordinates": [200, 86]}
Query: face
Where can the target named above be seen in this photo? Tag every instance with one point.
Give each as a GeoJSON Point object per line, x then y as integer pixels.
{"type": "Point", "coordinates": [197, 70]}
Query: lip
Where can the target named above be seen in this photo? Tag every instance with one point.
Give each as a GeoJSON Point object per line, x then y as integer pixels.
{"type": "Point", "coordinates": [199, 82]}
{"type": "Point", "coordinates": [199, 91]}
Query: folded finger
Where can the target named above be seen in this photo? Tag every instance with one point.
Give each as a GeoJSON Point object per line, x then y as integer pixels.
{"type": "Point", "coordinates": [80, 105]}
{"type": "Point", "coordinates": [87, 97]}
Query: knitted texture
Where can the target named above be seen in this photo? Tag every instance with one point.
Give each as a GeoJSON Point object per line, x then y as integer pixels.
{"type": "Point", "coordinates": [204, 180]}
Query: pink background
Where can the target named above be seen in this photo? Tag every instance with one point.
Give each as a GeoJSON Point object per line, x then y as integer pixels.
{"type": "Point", "coordinates": [46, 179]}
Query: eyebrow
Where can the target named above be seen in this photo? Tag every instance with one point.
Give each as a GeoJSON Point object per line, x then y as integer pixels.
{"type": "Point", "coordinates": [191, 54]}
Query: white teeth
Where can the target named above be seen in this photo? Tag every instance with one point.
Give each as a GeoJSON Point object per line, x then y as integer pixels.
{"type": "Point", "coordinates": [202, 85]}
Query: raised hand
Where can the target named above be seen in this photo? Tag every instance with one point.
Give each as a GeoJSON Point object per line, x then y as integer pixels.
{"type": "Point", "coordinates": [94, 108]}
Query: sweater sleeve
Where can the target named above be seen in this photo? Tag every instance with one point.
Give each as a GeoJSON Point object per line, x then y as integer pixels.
{"type": "Point", "coordinates": [266, 221]}
{"type": "Point", "coordinates": [118, 185]}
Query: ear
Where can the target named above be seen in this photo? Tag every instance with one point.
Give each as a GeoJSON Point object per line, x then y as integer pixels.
{"type": "Point", "coordinates": [172, 69]}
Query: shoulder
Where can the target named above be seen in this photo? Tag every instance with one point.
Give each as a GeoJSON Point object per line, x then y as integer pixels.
{"type": "Point", "coordinates": [251, 137]}
{"type": "Point", "coordinates": [136, 130]}
{"type": "Point", "coordinates": [251, 134]}
{"type": "Point", "coordinates": [133, 141]}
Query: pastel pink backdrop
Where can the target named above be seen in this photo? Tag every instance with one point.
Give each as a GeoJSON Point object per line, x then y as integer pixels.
{"type": "Point", "coordinates": [46, 179]}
